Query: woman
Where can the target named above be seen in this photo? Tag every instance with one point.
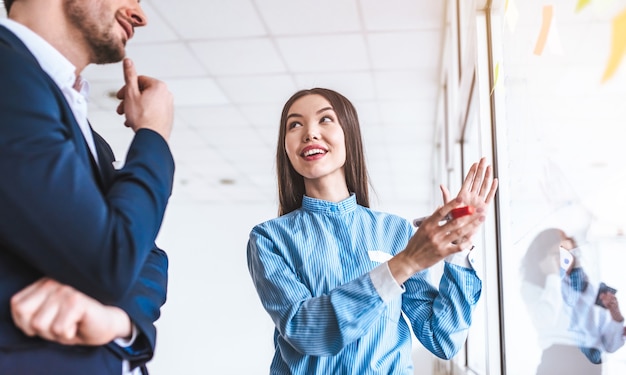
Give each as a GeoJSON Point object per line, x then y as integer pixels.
{"type": "Point", "coordinates": [335, 276]}
{"type": "Point", "coordinates": [572, 331]}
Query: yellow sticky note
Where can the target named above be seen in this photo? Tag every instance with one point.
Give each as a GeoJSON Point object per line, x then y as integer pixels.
{"type": "Point", "coordinates": [496, 77]}
{"type": "Point", "coordinates": [581, 4]}
{"type": "Point", "coordinates": [618, 45]}
{"type": "Point", "coordinates": [547, 14]}
{"type": "Point", "coordinates": [511, 14]}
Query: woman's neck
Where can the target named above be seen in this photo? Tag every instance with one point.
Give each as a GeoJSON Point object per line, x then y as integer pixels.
{"type": "Point", "coordinates": [331, 191]}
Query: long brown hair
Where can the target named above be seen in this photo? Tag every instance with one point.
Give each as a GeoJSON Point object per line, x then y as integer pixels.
{"type": "Point", "coordinates": [291, 183]}
{"type": "Point", "coordinates": [7, 5]}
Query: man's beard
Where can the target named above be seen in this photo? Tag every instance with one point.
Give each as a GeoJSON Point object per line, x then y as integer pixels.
{"type": "Point", "coordinates": [103, 45]}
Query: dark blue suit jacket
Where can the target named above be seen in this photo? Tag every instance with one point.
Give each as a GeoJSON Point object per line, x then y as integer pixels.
{"type": "Point", "coordinates": [64, 217]}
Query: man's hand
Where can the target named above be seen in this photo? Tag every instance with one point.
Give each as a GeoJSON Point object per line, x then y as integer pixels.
{"type": "Point", "coordinates": [60, 313]}
{"type": "Point", "coordinates": [146, 102]}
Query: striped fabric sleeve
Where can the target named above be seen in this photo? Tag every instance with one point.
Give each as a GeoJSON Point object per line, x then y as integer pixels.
{"type": "Point", "coordinates": [441, 318]}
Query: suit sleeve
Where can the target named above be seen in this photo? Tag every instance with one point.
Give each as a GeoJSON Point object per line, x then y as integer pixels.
{"type": "Point", "coordinates": [143, 302]}
{"type": "Point", "coordinates": [55, 217]}
{"type": "Point", "coordinates": [143, 305]}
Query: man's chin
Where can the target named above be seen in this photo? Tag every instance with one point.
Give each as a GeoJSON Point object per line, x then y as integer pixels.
{"type": "Point", "coordinates": [108, 56]}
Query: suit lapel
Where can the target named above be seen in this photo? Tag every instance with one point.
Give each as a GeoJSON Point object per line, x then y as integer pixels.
{"type": "Point", "coordinates": [105, 170]}
{"type": "Point", "coordinates": [10, 40]}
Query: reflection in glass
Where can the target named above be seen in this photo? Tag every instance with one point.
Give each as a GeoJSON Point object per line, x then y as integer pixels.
{"type": "Point", "coordinates": [562, 129]}
{"type": "Point", "coordinates": [573, 331]}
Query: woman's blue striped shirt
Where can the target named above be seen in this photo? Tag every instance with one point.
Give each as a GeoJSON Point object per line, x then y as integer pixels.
{"type": "Point", "coordinates": [321, 274]}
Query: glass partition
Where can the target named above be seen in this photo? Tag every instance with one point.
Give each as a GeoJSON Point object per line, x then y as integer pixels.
{"type": "Point", "coordinates": [560, 114]}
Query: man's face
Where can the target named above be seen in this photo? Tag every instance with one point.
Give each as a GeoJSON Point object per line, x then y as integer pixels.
{"type": "Point", "coordinates": [105, 26]}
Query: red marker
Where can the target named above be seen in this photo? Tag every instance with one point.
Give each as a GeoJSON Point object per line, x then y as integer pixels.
{"type": "Point", "coordinates": [461, 211]}
{"type": "Point", "coordinates": [454, 214]}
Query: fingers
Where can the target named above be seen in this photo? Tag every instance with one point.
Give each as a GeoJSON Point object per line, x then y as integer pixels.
{"type": "Point", "coordinates": [460, 231]}
{"type": "Point", "coordinates": [48, 309]}
{"type": "Point", "coordinates": [70, 310]}
{"type": "Point", "coordinates": [479, 186]}
{"type": "Point", "coordinates": [25, 304]}
{"type": "Point", "coordinates": [130, 77]}
{"type": "Point", "coordinates": [445, 193]}
{"type": "Point", "coordinates": [131, 85]}
{"type": "Point", "coordinates": [145, 102]}
{"type": "Point", "coordinates": [608, 299]}
{"type": "Point", "coordinates": [120, 108]}
{"type": "Point", "coordinates": [468, 182]}
{"type": "Point", "coordinates": [442, 212]}
{"type": "Point", "coordinates": [486, 180]}
{"type": "Point", "coordinates": [479, 176]}
{"type": "Point", "coordinates": [492, 191]}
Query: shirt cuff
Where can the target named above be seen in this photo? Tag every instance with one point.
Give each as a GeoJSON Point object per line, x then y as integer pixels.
{"type": "Point", "coordinates": [124, 343]}
{"type": "Point", "coordinates": [384, 283]}
{"type": "Point", "coordinates": [464, 258]}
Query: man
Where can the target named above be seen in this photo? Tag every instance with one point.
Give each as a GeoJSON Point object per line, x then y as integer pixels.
{"type": "Point", "coordinates": [81, 280]}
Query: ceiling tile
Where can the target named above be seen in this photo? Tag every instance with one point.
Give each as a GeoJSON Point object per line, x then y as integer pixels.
{"type": "Point", "coordinates": [333, 53]}
{"type": "Point", "coordinates": [211, 19]}
{"type": "Point", "coordinates": [238, 56]}
{"type": "Point", "coordinates": [368, 111]}
{"type": "Point", "coordinates": [157, 29]}
{"type": "Point", "coordinates": [403, 14]}
{"type": "Point", "coordinates": [264, 116]}
{"type": "Point", "coordinates": [165, 60]}
{"type": "Point", "coordinates": [161, 60]}
{"type": "Point", "coordinates": [258, 89]}
{"type": "Point", "coordinates": [406, 50]}
{"type": "Point", "coordinates": [410, 135]}
{"type": "Point", "coordinates": [196, 91]}
{"type": "Point", "coordinates": [413, 84]}
{"type": "Point", "coordinates": [417, 111]}
{"type": "Point", "coordinates": [102, 94]}
{"type": "Point", "coordinates": [108, 72]}
{"type": "Point", "coordinates": [231, 137]}
{"type": "Point", "coordinates": [352, 85]}
{"type": "Point", "coordinates": [309, 17]}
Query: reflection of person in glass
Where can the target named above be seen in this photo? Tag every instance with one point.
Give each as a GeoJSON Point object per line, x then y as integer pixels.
{"type": "Point", "coordinates": [596, 319]}
{"type": "Point", "coordinates": [541, 291]}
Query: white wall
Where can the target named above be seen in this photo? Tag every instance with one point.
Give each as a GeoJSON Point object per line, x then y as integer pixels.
{"type": "Point", "coordinates": [213, 321]}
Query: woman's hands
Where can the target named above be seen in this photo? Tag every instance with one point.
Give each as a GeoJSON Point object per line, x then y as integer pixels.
{"type": "Point", "coordinates": [478, 190]}
{"type": "Point", "coordinates": [434, 241]}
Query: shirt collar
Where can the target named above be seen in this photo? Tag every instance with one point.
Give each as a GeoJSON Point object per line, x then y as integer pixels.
{"type": "Point", "coordinates": [317, 205]}
{"type": "Point", "coordinates": [58, 67]}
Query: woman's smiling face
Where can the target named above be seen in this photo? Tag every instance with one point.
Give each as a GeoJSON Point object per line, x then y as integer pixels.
{"type": "Point", "coordinates": [315, 141]}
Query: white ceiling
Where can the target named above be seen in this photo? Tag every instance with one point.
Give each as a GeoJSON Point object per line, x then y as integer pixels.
{"type": "Point", "coordinates": [231, 64]}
